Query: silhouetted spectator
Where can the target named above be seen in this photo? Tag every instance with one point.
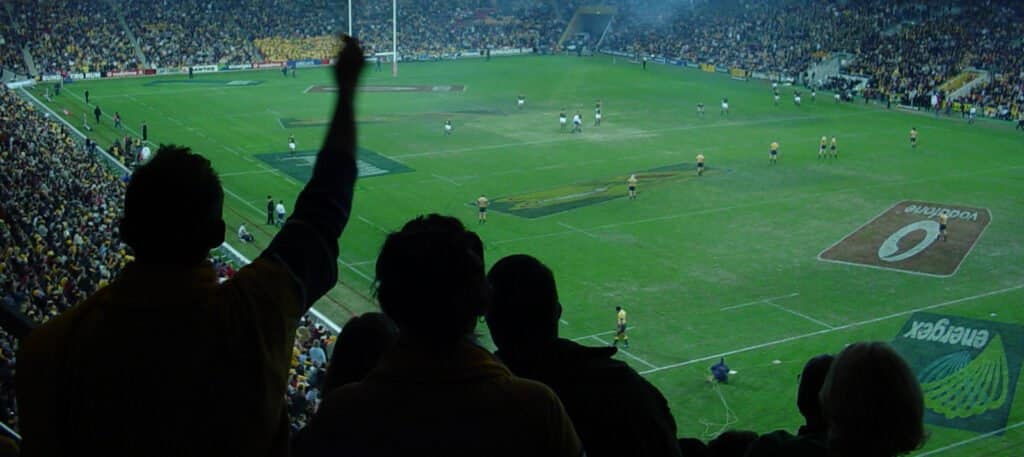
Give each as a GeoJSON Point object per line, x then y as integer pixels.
{"type": "Point", "coordinates": [873, 403]}
{"type": "Point", "coordinates": [361, 343]}
{"type": "Point", "coordinates": [615, 411]}
{"type": "Point", "coordinates": [437, 392]}
{"type": "Point", "coordinates": [811, 438]}
{"type": "Point", "coordinates": [84, 390]}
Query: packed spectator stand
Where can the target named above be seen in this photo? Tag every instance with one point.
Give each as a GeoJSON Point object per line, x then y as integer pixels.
{"type": "Point", "coordinates": [59, 204]}
{"type": "Point", "coordinates": [58, 239]}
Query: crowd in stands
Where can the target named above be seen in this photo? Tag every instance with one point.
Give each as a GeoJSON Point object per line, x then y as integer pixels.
{"type": "Point", "coordinates": [906, 49]}
{"type": "Point", "coordinates": [59, 207]}
{"type": "Point", "coordinates": [74, 36]}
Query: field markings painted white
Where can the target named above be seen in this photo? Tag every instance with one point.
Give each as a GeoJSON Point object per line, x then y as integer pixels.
{"type": "Point", "coordinates": [563, 321]}
{"type": "Point", "coordinates": [585, 337]}
{"type": "Point", "coordinates": [756, 302]}
{"type": "Point", "coordinates": [446, 179]}
{"type": "Point", "coordinates": [798, 314]}
{"type": "Point", "coordinates": [970, 440]}
{"type": "Point", "coordinates": [578, 230]}
{"type": "Point", "coordinates": [308, 89]}
{"type": "Point", "coordinates": [625, 136]}
{"type": "Point", "coordinates": [245, 173]}
{"type": "Point", "coordinates": [372, 224]}
{"type": "Point", "coordinates": [833, 329]}
{"type": "Point", "coordinates": [625, 352]}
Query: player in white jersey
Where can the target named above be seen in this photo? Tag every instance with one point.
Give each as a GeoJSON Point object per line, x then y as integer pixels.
{"type": "Point", "coordinates": [725, 107]}
{"type": "Point", "coordinates": [562, 119]}
{"type": "Point", "coordinates": [577, 123]}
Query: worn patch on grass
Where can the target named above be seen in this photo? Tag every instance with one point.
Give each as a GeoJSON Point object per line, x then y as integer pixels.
{"type": "Point", "coordinates": [393, 88]}
{"type": "Point", "coordinates": [968, 369]}
{"type": "Point", "coordinates": [906, 238]}
{"type": "Point", "coordinates": [299, 165]}
{"type": "Point", "coordinates": [549, 201]}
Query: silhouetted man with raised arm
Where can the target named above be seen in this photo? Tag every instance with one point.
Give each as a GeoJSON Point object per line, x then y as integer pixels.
{"type": "Point", "coordinates": [167, 361]}
{"type": "Point", "coordinates": [615, 411]}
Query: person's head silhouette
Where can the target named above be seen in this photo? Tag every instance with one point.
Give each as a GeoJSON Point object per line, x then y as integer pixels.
{"type": "Point", "coordinates": [525, 307]}
{"type": "Point", "coordinates": [430, 279]}
{"type": "Point", "coordinates": [172, 208]}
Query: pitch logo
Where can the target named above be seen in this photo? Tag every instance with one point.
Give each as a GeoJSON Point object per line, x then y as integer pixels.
{"type": "Point", "coordinates": [906, 237]}
{"type": "Point", "coordinates": [968, 369]}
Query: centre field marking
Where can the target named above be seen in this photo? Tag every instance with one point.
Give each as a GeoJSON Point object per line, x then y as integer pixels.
{"type": "Point", "coordinates": [756, 302]}
{"type": "Point", "coordinates": [832, 329]}
{"type": "Point", "coordinates": [627, 353]}
{"type": "Point", "coordinates": [446, 179]}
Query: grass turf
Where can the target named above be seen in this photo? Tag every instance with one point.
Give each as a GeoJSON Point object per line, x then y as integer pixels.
{"type": "Point", "coordinates": [744, 234]}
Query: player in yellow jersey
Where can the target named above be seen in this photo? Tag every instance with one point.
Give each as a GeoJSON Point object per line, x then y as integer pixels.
{"type": "Point", "coordinates": [833, 148]}
{"type": "Point", "coordinates": [620, 327]}
{"type": "Point", "coordinates": [773, 154]}
{"type": "Point", "coordinates": [943, 219]}
{"type": "Point", "coordinates": [700, 164]}
{"type": "Point", "coordinates": [913, 137]}
{"type": "Point", "coordinates": [821, 146]}
{"type": "Point", "coordinates": [631, 182]}
{"type": "Point", "coordinates": [482, 203]}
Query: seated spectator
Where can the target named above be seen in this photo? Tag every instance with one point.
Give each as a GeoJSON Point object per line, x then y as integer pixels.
{"type": "Point", "coordinates": [209, 376]}
{"type": "Point", "coordinates": [437, 392]}
{"type": "Point", "coordinates": [810, 439]}
{"type": "Point", "coordinates": [244, 235]}
{"type": "Point", "coordinates": [873, 403]}
{"type": "Point", "coordinates": [615, 410]}
{"type": "Point", "coordinates": [360, 345]}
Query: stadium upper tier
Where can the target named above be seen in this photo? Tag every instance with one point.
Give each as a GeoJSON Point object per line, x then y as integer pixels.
{"type": "Point", "coordinates": [906, 48]}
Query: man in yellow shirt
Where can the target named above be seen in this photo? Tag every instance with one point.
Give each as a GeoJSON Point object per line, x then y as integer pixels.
{"type": "Point", "coordinates": [943, 220]}
{"type": "Point", "coordinates": [168, 361]}
{"type": "Point", "coordinates": [773, 154]}
{"type": "Point", "coordinates": [620, 327]}
{"type": "Point", "coordinates": [821, 146]}
{"type": "Point", "coordinates": [913, 137]}
{"type": "Point", "coordinates": [834, 148]}
{"type": "Point", "coordinates": [700, 164]}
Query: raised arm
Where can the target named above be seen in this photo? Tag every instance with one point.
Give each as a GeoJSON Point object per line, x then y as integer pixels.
{"type": "Point", "coordinates": [308, 243]}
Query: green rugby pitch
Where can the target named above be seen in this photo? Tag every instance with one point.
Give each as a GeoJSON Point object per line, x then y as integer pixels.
{"type": "Point", "coordinates": [722, 265]}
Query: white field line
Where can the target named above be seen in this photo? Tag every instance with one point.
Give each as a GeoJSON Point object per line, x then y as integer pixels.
{"type": "Point", "coordinates": [627, 353]}
{"type": "Point", "coordinates": [446, 179]}
{"type": "Point", "coordinates": [970, 440]}
{"type": "Point", "coordinates": [563, 321]}
{"type": "Point", "coordinates": [245, 173]}
{"type": "Point", "coordinates": [830, 330]}
{"type": "Point", "coordinates": [609, 332]}
{"type": "Point", "coordinates": [756, 302]}
{"type": "Point", "coordinates": [799, 314]}
{"type": "Point", "coordinates": [578, 230]}
{"type": "Point", "coordinates": [372, 224]}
